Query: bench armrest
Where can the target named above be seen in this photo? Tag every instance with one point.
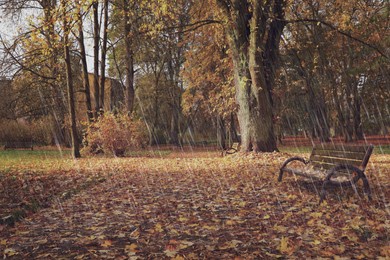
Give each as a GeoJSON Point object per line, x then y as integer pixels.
{"type": "Point", "coordinates": [359, 175]}
{"type": "Point", "coordinates": [295, 158]}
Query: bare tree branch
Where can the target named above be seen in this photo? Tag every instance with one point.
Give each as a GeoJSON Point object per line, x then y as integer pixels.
{"type": "Point", "coordinates": [338, 30]}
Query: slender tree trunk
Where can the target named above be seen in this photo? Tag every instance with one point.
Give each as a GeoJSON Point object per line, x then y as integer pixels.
{"type": "Point", "coordinates": [59, 103]}
{"type": "Point", "coordinates": [104, 54]}
{"type": "Point", "coordinates": [129, 91]}
{"type": "Point", "coordinates": [221, 132]}
{"type": "Point", "coordinates": [233, 130]}
{"type": "Point", "coordinates": [69, 81]}
{"type": "Point", "coordinates": [83, 55]}
{"type": "Point", "coordinates": [96, 36]}
{"type": "Point", "coordinates": [174, 129]}
{"type": "Point", "coordinates": [357, 131]}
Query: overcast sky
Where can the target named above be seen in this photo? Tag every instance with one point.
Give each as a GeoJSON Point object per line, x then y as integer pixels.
{"type": "Point", "coordinates": [9, 29]}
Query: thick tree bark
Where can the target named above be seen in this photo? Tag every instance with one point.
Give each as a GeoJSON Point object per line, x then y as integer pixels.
{"type": "Point", "coordinates": [96, 37]}
{"type": "Point", "coordinates": [103, 55]}
{"type": "Point", "coordinates": [69, 81]}
{"type": "Point", "coordinates": [129, 91]}
{"type": "Point", "coordinates": [84, 64]}
{"type": "Point", "coordinates": [254, 42]}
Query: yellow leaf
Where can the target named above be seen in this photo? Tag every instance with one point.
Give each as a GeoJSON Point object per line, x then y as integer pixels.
{"type": "Point", "coordinates": [340, 249]}
{"type": "Point", "coordinates": [178, 258]}
{"type": "Point", "coordinates": [266, 217]}
{"type": "Point", "coordinates": [3, 242]}
{"type": "Point", "coordinates": [184, 244]}
{"type": "Point", "coordinates": [182, 219]}
{"type": "Point", "coordinates": [316, 242]}
{"type": "Point", "coordinates": [284, 245]}
{"type": "Point", "coordinates": [170, 253]}
{"type": "Point", "coordinates": [158, 228]}
{"type": "Point", "coordinates": [280, 228]}
{"type": "Point", "coordinates": [106, 243]}
{"type": "Point", "coordinates": [211, 227]}
{"type": "Point", "coordinates": [316, 214]}
{"type": "Point", "coordinates": [230, 222]}
{"type": "Point", "coordinates": [10, 252]}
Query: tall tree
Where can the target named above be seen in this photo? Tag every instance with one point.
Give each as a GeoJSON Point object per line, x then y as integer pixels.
{"type": "Point", "coordinates": [69, 81]}
{"type": "Point", "coordinates": [254, 31]}
{"type": "Point", "coordinates": [104, 54]}
{"type": "Point", "coordinates": [83, 57]}
{"type": "Point", "coordinates": [129, 57]}
{"type": "Point", "coordinates": [96, 37]}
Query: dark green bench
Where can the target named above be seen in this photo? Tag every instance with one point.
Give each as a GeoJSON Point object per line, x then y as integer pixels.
{"type": "Point", "coordinates": [232, 149]}
{"type": "Point", "coordinates": [334, 165]}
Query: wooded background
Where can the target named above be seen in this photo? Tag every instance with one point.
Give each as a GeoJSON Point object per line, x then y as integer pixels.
{"type": "Point", "coordinates": [193, 71]}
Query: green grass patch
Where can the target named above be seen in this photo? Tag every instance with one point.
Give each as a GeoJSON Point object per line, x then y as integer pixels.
{"type": "Point", "coordinates": [10, 159]}
{"type": "Point", "coordinates": [297, 149]}
{"type": "Point", "coordinates": [149, 153]}
{"type": "Point", "coordinates": [382, 149]}
{"type": "Point", "coordinates": [378, 149]}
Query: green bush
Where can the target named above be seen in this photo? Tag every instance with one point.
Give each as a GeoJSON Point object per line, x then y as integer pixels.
{"type": "Point", "coordinates": [114, 134]}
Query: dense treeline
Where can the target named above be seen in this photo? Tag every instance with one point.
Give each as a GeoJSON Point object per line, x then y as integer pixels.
{"type": "Point", "coordinates": [199, 70]}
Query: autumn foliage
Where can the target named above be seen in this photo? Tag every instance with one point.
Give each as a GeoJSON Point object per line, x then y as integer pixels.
{"type": "Point", "coordinates": [114, 134]}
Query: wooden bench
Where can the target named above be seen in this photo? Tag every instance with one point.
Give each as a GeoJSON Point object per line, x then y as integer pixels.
{"type": "Point", "coordinates": [19, 145]}
{"type": "Point", "coordinates": [232, 149]}
{"type": "Point", "coordinates": [334, 165]}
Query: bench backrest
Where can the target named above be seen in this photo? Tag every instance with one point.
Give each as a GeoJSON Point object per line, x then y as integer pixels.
{"type": "Point", "coordinates": [327, 156]}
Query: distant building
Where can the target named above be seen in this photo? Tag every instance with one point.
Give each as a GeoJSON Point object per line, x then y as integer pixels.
{"type": "Point", "coordinates": [113, 96]}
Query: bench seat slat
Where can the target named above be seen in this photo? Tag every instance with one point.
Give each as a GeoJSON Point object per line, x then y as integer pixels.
{"type": "Point", "coordinates": [340, 154]}
{"type": "Point", "coordinates": [341, 176]}
{"type": "Point", "coordinates": [336, 160]}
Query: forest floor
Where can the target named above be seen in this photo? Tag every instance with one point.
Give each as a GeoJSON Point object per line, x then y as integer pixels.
{"type": "Point", "coordinates": [184, 205]}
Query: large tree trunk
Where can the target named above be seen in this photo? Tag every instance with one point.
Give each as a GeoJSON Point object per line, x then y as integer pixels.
{"type": "Point", "coordinates": [254, 42]}
{"type": "Point", "coordinates": [69, 81]}
{"type": "Point", "coordinates": [129, 91]}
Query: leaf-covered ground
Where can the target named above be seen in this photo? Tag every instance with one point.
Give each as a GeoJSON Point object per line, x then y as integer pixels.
{"type": "Point", "coordinates": [189, 206]}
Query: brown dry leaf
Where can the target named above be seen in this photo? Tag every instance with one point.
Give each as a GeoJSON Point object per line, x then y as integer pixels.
{"type": "Point", "coordinates": [106, 243]}
{"type": "Point", "coordinates": [285, 248]}
{"type": "Point", "coordinates": [385, 251]}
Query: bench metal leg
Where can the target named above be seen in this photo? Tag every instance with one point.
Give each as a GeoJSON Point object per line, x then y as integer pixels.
{"type": "Point", "coordinates": [360, 175]}
{"type": "Point", "coordinates": [366, 186]}
{"type": "Point", "coordinates": [295, 158]}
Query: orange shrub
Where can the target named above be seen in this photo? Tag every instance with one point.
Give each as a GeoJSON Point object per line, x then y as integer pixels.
{"type": "Point", "coordinates": [114, 134]}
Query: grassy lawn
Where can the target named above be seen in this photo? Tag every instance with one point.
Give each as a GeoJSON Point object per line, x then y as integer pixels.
{"type": "Point", "coordinates": [186, 205]}
{"type": "Point", "coordinates": [379, 149]}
